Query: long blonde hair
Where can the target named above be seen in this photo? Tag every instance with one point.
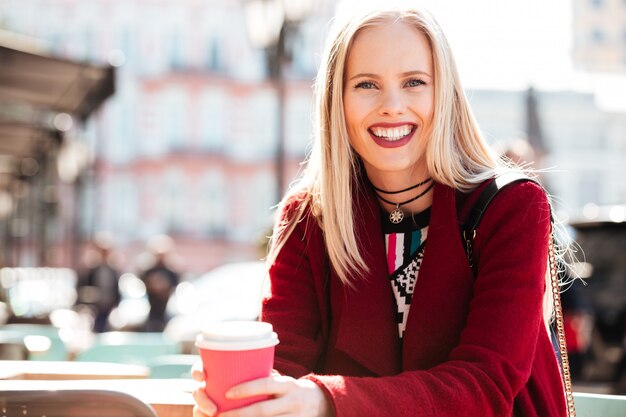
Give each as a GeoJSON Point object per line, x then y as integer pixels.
{"type": "Point", "coordinates": [456, 154]}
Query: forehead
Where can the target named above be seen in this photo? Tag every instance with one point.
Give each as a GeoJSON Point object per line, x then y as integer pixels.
{"type": "Point", "coordinates": [390, 43]}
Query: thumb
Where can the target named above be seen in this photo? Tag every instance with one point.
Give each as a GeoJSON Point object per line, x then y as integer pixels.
{"type": "Point", "coordinates": [197, 372]}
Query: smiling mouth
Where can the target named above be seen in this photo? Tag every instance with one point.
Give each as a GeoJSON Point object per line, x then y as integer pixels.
{"type": "Point", "coordinates": [392, 134]}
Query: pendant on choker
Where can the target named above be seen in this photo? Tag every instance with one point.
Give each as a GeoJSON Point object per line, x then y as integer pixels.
{"type": "Point", "coordinates": [396, 215]}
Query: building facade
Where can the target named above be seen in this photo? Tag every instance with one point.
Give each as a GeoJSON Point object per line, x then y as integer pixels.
{"type": "Point", "coordinates": [599, 29]}
{"type": "Point", "coordinates": [585, 147]}
{"type": "Point", "coordinates": [187, 146]}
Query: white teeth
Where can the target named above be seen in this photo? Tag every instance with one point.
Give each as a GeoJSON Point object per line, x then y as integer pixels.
{"type": "Point", "coordinates": [392, 134]}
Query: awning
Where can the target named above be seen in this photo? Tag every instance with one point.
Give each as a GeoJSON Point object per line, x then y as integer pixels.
{"type": "Point", "coordinates": [40, 94]}
{"type": "Point", "coordinates": [29, 75]}
{"type": "Point", "coordinates": [36, 86]}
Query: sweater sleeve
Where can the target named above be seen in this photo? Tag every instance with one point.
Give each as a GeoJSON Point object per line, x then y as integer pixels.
{"type": "Point", "coordinates": [494, 357]}
{"type": "Point", "coordinates": [293, 305]}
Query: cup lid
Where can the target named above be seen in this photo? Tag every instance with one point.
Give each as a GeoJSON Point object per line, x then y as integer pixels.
{"type": "Point", "coordinates": [237, 335]}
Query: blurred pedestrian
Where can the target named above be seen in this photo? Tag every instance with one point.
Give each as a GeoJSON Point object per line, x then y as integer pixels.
{"type": "Point", "coordinates": [98, 287]}
{"type": "Point", "coordinates": [578, 324]}
{"type": "Point", "coordinates": [160, 279]}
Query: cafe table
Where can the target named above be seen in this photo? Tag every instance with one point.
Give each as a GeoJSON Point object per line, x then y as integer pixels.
{"type": "Point", "coordinates": [168, 397]}
{"type": "Point", "coordinates": [59, 370]}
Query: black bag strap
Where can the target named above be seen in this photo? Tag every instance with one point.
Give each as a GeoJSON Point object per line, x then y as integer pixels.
{"type": "Point", "coordinates": [468, 228]}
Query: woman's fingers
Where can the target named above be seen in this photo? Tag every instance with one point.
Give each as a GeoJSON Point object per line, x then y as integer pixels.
{"type": "Point", "coordinates": [274, 407]}
{"type": "Point", "coordinates": [205, 406]}
{"type": "Point", "coordinates": [197, 371]}
{"type": "Point", "coordinates": [287, 397]}
{"type": "Point", "coordinates": [273, 385]}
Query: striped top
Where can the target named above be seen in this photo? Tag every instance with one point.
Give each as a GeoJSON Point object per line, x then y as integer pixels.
{"type": "Point", "coordinates": [404, 243]}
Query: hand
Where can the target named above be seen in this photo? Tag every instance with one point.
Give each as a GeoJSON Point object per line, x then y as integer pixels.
{"type": "Point", "coordinates": [290, 397]}
{"type": "Point", "coordinates": [204, 406]}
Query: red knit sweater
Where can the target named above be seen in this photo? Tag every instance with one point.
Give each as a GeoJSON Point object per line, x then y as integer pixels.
{"type": "Point", "coordinates": [474, 346]}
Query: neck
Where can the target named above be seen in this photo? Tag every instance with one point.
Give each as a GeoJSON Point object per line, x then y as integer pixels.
{"type": "Point", "coordinates": [412, 187]}
{"type": "Point", "coordinates": [422, 202]}
{"type": "Point", "coordinates": [396, 180]}
{"type": "Point", "coordinates": [401, 180]}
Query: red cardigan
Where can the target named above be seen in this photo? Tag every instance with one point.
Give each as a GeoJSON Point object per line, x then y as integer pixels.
{"type": "Point", "coordinates": [474, 346]}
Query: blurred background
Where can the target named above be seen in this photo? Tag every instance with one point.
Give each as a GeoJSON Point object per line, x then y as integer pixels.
{"type": "Point", "coordinates": [145, 143]}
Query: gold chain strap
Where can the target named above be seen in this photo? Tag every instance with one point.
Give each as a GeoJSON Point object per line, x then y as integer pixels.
{"type": "Point", "coordinates": [567, 379]}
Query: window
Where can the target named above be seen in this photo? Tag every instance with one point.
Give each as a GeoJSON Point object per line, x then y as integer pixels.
{"type": "Point", "coordinates": [298, 124]}
{"type": "Point", "coordinates": [253, 125]}
{"type": "Point", "coordinates": [598, 35]}
{"type": "Point", "coordinates": [175, 109]}
{"type": "Point", "coordinates": [173, 204]}
{"type": "Point", "coordinates": [177, 54]}
{"type": "Point", "coordinates": [252, 196]}
{"type": "Point", "coordinates": [265, 108]}
{"type": "Point", "coordinates": [303, 51]}
{"type": "Point", "coordinates": [261, 200]}
{"type": "Point", "coordinates": [89, 45]}
{"type": "Point", "coordinates": [120, 147]}
{"type": "Point", "coordinates": [213, 60]}
{"type": "Point", "coordinates": [213, 201]}
{"type": "Point", "coordinates": [124, 41]}
{"type": "Point", "coordinates": [213, 115]}
{"type": "Point", "coordinates": [122, 197]}
{"type": "Point", "coordinates": [151, 38]}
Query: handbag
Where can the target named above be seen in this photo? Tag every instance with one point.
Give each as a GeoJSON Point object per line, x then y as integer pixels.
{"type": "Point", "coordinates": [468, 232]}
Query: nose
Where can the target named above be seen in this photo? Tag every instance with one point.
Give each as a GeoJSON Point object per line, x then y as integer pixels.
{"type": "Point", "coordinates": [392, 103]}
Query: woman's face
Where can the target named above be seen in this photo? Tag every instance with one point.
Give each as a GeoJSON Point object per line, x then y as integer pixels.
{"type": "Point", "coordinates": [388, 99]}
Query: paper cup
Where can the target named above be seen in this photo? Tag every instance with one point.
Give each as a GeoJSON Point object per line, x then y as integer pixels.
{"type": "Point", "coordinates": [233, 352]}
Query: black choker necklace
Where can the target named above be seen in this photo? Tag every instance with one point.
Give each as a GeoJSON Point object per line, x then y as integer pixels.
{"type": "Point", "coordinates": [397, 215]}
{"type": "Point", "coordinates": [419, 184]}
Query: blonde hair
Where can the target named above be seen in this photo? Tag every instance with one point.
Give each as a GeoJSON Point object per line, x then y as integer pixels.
{"type": "Point", "coordinates": [456, 154]}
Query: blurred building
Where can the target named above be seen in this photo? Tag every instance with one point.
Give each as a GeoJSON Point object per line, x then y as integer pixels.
{"type": "Point", "coordinates": [599, 35]}
{"type": "Point", "coordinates": [45, 102]}
{"type": "Point", "coordinates": [187, 144]}
{"type": "Point", "coordinates": [585, 147]}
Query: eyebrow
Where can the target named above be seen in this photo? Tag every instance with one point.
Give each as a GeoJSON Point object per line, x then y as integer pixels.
{"type": "Point", "coordinates": [404, 74]}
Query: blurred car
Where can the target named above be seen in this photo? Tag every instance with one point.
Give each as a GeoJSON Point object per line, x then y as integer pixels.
{"type": "Point", "coordinates": [601, 234]}
{"type": "Point", "coordinates": [229, 292]}
{"type": "Point", "coordinates": [31, 294]}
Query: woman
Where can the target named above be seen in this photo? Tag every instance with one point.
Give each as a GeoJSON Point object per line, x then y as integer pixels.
{"type": "Point", "coordinates": [372, 296]}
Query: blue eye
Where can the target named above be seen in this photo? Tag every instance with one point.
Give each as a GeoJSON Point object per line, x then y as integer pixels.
{"type": "Point", "coordinates": [415, 82]}
{"type": "Point", "coordinates": [367, 85]}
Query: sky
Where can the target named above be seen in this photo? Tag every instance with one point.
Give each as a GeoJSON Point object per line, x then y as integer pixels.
{"type": "Point", "coordinates": [513, 44]}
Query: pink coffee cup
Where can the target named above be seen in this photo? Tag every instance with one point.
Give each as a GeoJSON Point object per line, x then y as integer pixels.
{"type": "Point", "coordinates": [233, 352]}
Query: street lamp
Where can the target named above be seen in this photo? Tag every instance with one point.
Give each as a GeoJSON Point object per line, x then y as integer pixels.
{"type": "Point", "coordinates": [270, 24]}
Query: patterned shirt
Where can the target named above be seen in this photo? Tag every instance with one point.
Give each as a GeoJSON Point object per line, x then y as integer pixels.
{"type": "Point", "coordinates": [405, 243]}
